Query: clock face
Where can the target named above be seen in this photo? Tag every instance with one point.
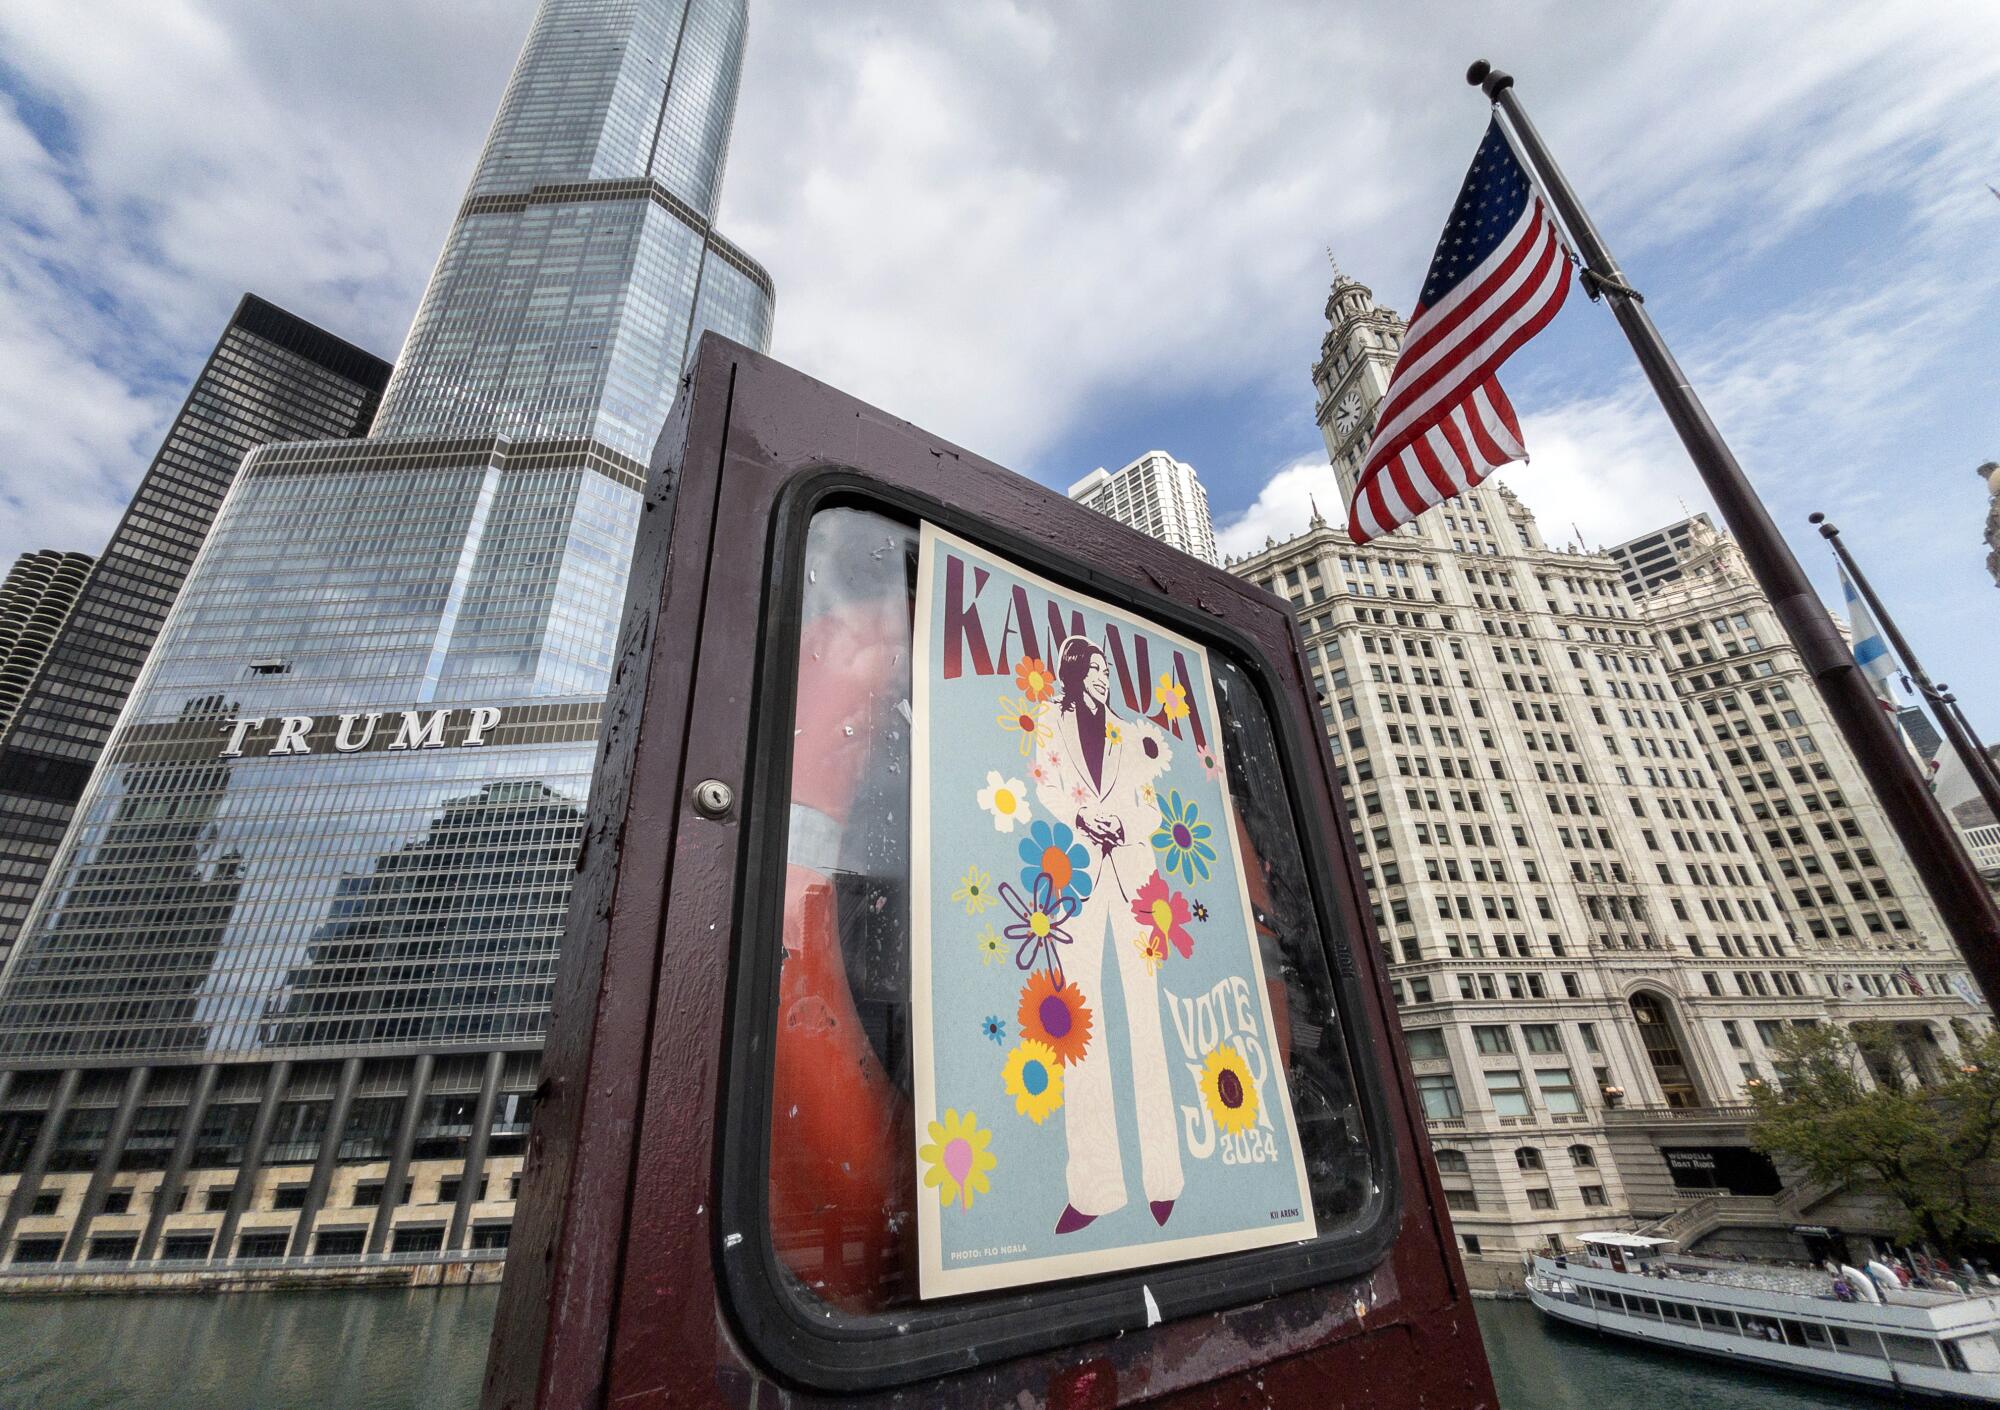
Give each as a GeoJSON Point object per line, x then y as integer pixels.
{"type": "Point", "coordinates": [1348, 415]}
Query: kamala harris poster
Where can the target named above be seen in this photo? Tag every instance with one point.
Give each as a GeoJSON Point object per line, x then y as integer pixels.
{"type": "Point", "coordinates": [1097, 1083]}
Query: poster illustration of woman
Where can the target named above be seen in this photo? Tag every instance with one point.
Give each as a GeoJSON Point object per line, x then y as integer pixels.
{"type": "Point", "coordinates": [1097, 771]}
{"type": "Point", "coordinates": [1096, 1080]}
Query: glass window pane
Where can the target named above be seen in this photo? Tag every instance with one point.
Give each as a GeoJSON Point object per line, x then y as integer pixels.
{"type": "Point", "coordinates": [841, 1177]}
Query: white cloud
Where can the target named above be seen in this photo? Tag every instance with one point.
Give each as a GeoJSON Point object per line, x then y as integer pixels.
{"type": "Point", "coordinates": [1008, 221]}
{"type": "Point", "coordinates": [1283, 507]}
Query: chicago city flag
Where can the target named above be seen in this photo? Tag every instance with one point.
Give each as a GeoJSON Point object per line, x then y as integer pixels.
{"type": "Point", "coordinates": [1498, 277]}
{"type": "Point", "coordinates": [1870, 650]}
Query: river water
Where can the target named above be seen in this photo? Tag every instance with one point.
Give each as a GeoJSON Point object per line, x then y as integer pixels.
{"type": "Point", "coordinates": [422, 1349]}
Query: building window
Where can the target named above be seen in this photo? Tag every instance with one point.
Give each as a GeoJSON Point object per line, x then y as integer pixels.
{"type": "Point", "coordinates": [368, 1194]}
{"type": "Point", "coordinates": [113, 1248]}
{"type": "Point", "coordinates": [289, 1197]}
{"type": "Point", "coordinates": [1509, 1098]}
{"type": "Point", "coordinates": [1426, 1044]}
{"type": "Point", "coordinates": [187, 1248]}
{"type": "Point", "coordinates": [339, 1243]}
{"type": "Point", "coordinates": [47, 1202]}
{"type": "Point", "coordinates": [37, 1250]}
{"type": "Point", "coordinates": [1593, 1195]}
{"type": "Point", "coordinates": [1493, 1039]}
{"type": "Point", "coordinates": [1528, 1158]}
{"type": "Point", "coordinates": [491, 1235]}
{"type": "Point", "coordinates": [421, 1239]}
{"type": "Point", "coordinates": [1471, 1242]}
{"type": "Point", "coordinates": [448, 1188]}
{"type": "Point", "coordinates": [1583, 1157]}
{"type": "Point", "coordinates": [263, 1243]}
{"type": "Point", "coordinates": [1541, 1199]}
{"type": "Point", "coordinates": [1542, 1037]}
{"type": "Point", "coordinates": [117, 1202]}
{"type": "Point", "coordinates": [1450, 1162]}
{"type": "Point", "coordinates": [1558, 1091]}
{"type": "Point", "coordinates": [1440, 1098]}
{"type": "Point", "coordinates": [217, 1197]}
{"type": "Point", "coordinates": [1461, 1200]}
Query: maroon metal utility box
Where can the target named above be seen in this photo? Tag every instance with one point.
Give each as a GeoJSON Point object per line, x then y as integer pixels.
{"type": "Point", "coordinates": [967, 996]}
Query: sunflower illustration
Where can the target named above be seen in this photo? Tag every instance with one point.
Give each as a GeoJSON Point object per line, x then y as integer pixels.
{"type": "Point", "coordinates": [1055, 1015]}
{"type": "Point", "coordinates": [1152, 949]}
{"type": "Point", "coordinates": [1035, 679]}
{"type": "Point", "coordinates": [1173, 697]}
{"type": "Point", "coordinates": [1033, 1079]}
{"type": "Point", "coordinates": [956, 1159]}
{"type": "Point", "coordinates": [1229, 1090]}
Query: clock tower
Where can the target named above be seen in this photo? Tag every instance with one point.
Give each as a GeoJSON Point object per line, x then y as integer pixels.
{"type": "Point", "coordinates": [1352, 373]}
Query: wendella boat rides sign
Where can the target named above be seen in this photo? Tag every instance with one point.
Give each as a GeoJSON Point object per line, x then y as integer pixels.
{"type": "Point", "coordinates": [1097, 1084]}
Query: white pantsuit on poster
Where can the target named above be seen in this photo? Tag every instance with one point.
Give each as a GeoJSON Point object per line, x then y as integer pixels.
{"type": "Point", "coordinates": [1115, 814]}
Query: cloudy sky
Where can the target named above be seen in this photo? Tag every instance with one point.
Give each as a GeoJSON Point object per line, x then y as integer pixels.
{"type": "Point", "coordinates": [1063, 235]}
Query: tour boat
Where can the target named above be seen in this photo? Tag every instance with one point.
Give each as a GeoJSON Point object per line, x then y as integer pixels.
{"type": "Point", "coordinates": [1909, 1342]}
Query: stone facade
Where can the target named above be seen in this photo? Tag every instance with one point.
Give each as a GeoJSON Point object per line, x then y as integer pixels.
{"type": "Point", "coordinates": [1602, 886]}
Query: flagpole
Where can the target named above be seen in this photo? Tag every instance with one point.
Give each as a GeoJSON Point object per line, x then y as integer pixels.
{"type": "Point", "coordinates": [1962, 898]}
{"type": "Point", "coordinates": [1964, 742]}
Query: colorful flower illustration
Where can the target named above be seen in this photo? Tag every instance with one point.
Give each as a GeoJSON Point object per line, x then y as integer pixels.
{"type": "Point", "coordinates": [1051, 850]}
{"type": "Point", "coordinates": [1033, 1078]}
{"type": "Point", "coordinates": [1035, 679]}
{"type": "Point", "coordinates": [1228, 1090]}
{"type": "Point", "coordinates": [993, 1028]}
{"type": "Point", "coordinates": [1152, 949]}
{"type": "Point", "coordinates": [1113, 734]}
{"type": "Point", "coordinates": [991, 946]}
{"type": "Point", "coordinates": [1200, 911]}
{"type": "Point", "coordinates": [1038, 923]}
{"type": "Point", "coordinates": [975, 891]}
{"type": "Point", "coordinates": [956, 1159]}
{"type": "Point", "coordinates": [1026, 720]}
{"type": "Point", "coordinates": [1182, 839]}
{"type": "Point", "coordinates": [1210, 765]}
{"type": "Point", "coordinates": [1147, 795]}
{"type": "Point", "coordinates": [1006, 799]}
{"type": "Point", "coordinates": [1166, 912]}
{"type": "Point", "coordinates": [1173, 697]}
{"type": "Point", "coordinates": [1053, 1013]}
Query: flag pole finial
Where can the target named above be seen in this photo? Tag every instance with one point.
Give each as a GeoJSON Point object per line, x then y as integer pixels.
{"type": "Point", "coordinates": [1484, 76]}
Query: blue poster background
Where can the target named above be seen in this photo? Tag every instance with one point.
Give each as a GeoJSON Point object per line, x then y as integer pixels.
{"type": "Point", "coordinates": [1009, 827]}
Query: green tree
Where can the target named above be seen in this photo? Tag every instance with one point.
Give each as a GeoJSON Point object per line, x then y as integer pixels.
{"type": "Point", "coordinates": [1932, 1149]}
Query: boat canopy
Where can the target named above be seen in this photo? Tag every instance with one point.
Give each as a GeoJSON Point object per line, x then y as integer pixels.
{"type": "Point", "coordinates": [1638, 1243]}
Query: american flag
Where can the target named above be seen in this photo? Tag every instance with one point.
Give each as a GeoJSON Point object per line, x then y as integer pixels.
{"type": "Point", "coordinates": [1499, 275]}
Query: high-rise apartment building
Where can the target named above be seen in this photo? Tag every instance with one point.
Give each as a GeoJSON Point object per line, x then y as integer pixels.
{"type": "Point", "coordinates": [35, 601]}
{"type": "Point", "coordinates": [1157, 495]}
{"type": "Point", "coordinates": [1594, 939]}
{"type": "Point", "coordinates": [1651, 560]}
{"type": "Point", "coordinates": [1829, 849]}
{"type": "Point", "coordinates": [287, 987]}
{"type": "Point", "coordinates": [270, 377]}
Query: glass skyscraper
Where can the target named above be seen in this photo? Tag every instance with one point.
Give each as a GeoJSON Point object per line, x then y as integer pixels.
{"type": "Point", "coordinates": [315, 888]}
{"type": "Point", "coordinates": [272, 376]}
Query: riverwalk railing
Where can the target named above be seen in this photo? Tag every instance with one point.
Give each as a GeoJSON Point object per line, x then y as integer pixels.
{"type": "Point", "coordinates": [311, 1263]}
